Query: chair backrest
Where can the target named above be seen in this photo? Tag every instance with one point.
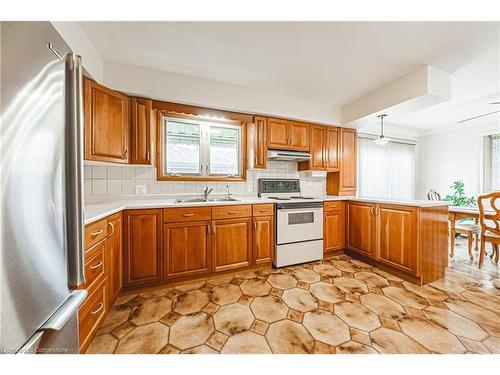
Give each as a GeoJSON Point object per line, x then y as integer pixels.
{"type": "Point", "coordinates": [433, 195]}
{"type": "Point", "coordinates": [489, 212]}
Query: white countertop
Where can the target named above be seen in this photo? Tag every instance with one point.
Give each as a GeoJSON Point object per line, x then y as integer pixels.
{"type": "Point", "coordinates": [402, 202]}
{"type": "Point", "coordinates": [98, 208]}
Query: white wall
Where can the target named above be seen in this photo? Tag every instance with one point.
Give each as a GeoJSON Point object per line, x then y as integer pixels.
{"type": "Point", "coordinates": [453, 155]}
{"type": "Point", "coordinates": [195, 91]}
{"type": "Point", "coordinates": [78, 41]}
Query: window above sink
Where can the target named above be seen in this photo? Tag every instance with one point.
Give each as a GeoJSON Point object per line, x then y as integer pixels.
{"type": "Point", "coordinates": [198, 149]}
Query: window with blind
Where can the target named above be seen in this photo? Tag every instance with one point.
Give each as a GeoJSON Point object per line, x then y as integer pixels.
{"type": "Point", "coordinates": [386, 171]}
{"type": "Point", "coordinates": [201, 149]}
{"type": "Point", "coordinates": [495, 161]}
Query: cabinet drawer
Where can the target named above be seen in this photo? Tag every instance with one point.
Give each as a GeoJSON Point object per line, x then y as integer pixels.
{"type": "Point", "coordinates": [91, 313]}
{"type": "Point", "coordinates": [333, 206]}
{"type": "Point", "coordinates": [263, 209]}
{"type": "Point", "coordinates": [94, 263]}
{"type": "Point", "coordinates": [174, 215]}
{"type": "Point", "coordinates": [231, 212]}
{"type": "Point", "coordinates": [94, 232]}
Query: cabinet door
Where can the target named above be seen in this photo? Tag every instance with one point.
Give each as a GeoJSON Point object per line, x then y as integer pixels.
{"type": "Point", "coordinates": [106, 115]}
{"type": "Point", "coordinates": [397, 236]}
{"type": "Point", "coordinates": [186, 249]}
{"type": "Point", "coordinates": [318, 141]}
{"type": "Point", "coordinates": [263, 240]}
{"type": "Point", "coordinates": [260, 149]}
{"type": "Point", "coordinates": [231, 244]}
{"type": "Point", "coordinates": [361, 224]}
{"type": "Point", "coordinates": [331, 149]}
{"type": "Point", "coordinates": [142, 130]}
{"type": "Point", "coordinates": [334, 230]}
{"type": "Point", "coordinates": [114, 250]}
{"type": "Point", "coordinates": [348, 161]}
{"type": "Point", "coordinates": [299, 136]}
{"type": "Point", "coordinates": [277, 134]}
{"type": "Point", "coordinates": [142, 246]}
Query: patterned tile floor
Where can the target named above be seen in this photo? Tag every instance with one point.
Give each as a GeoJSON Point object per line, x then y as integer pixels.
{"type": "Point", "coordinates": [338, 305]}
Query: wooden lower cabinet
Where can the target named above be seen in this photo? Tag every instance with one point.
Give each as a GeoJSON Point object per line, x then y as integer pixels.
{"type": "Point", "coordinates": [91, 313]}
{"type": "Point", "coordinates": [114, 250]}
{"type": "Point", "coordinates": [397, 236]}
{"type": "Point", "coordinates": [186, 249]}
{"type": "Point", "coordinates": [409, 241]}
{"type": "Point", "coordinates": [263, 239]}
{"type": "Point", "coordinates": [361, 228]}
{"type": "Point", "coordinates": [142, 244]}
{"type": "Point", "coordinates": [231, 243]}
{"type": "Point", "coordinates": [334, 229]}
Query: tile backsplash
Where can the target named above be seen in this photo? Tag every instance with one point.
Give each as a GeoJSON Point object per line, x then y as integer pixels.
{"type": "Point", "coordinates": [102, 180]}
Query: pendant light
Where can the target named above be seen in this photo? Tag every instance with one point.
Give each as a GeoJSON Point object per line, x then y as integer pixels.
{"type": "Point", "coordinates": [381, 140]}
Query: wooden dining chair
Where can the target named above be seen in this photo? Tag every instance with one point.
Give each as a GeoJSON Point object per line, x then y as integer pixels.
{"type": "Point", "coordinates": [471, 230]}
{"type": "Point", "coordinates": [489, 219]}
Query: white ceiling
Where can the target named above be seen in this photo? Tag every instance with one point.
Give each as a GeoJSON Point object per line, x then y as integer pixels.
{"type": "Point", "coordinates": [325, 62]}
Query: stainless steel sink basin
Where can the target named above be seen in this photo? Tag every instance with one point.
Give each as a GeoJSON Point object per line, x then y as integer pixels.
{"type": "Point", "coordinates": [223, 200]}
{"type": "Point", "coordinates": [190, 200]}
{"type": "Point", "coordinates": [201, 200]}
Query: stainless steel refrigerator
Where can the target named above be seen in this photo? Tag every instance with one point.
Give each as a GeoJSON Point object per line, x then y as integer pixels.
{"type": "Point", "coordinates": [41, 178]}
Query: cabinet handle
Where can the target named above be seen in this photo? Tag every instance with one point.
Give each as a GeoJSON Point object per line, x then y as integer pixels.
{"type": "Point", "coordinates": [112, 229]}
{"type": "Point", "coordinates": [96, 233]}
{"type": "Point", "coordinates": [98, 309]}
{"type": "Point", "coordinates": [188, 215]}
{"type": "Point", "coordinates": [125, 154]}
{"type": "Point", "coordinates": [208, 229]}
{"type": "Point", "coordinates": [255, 224]}
{"type": "Point", "coordinates": [147, 155]}
{"type": "Point", "coordinates": [99, 264]}
{"type": "Point", "coordinates": [262, 210]}
{"type": "Point", "coordinates": [232, 212]}
{"type": "Point", "coordinates": [213, 228]}
{"type": "Point", "coordinates": [377, 211]}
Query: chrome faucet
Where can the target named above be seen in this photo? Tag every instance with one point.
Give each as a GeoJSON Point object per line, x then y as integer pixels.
{"type": "Point", "coordinates": [228, 193]}
{"type": "Point", "coordinates": [207, 192]}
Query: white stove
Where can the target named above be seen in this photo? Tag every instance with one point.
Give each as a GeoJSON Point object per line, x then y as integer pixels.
{"type": "Point", "coordinates": [299, 222]}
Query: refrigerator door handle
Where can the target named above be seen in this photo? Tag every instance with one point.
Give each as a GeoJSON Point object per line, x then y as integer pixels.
{"type": "Point", "coordinates": [74, 170]}
{"type": "Point", "coordinates": [58, 320]}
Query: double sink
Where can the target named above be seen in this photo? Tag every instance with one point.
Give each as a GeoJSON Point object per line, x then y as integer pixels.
{"type": "Point", "coordinates": [203, 200]}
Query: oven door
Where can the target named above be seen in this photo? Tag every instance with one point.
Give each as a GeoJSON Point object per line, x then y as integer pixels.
{"type": "Point", "coordinates": [299, 224]}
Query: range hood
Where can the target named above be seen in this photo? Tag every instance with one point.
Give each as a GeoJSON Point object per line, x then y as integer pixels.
{"type": "Point", "coordinates": [288, 155]}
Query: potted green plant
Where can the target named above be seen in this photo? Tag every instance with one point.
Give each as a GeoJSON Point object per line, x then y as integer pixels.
{"type": "Point", "coordinates": [459, 198]}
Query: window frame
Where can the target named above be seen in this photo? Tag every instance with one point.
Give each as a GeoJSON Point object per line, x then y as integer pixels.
{"type": "Point", "coordinates": [488, 162]}
{"type": "Point", "coordinates": [204, 152]}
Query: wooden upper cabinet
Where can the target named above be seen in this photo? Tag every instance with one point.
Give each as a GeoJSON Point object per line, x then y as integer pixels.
{"type": "Point", "coordinates": [397, 236]}
{"type": "Point", "coordinates": [323, 148]}
{"type": "Point", "coordinates": [231, 244]}
{"type": "Point", "coordinates": [361, 224]}
{"type": "Point", "coordinates": [299, 136]}
{"type": "Point", "coordinates": [263, 239]}
{"type": "Point", "coordinates": [186, 249]}
{"type": "Point", "coordinates": [107, 131]}
{"type": "Point", "coordinates": [114, 250]}
{"type": "Point", "coordinates": [277, 133]}
{"type": "Point", "coordinates": [287, 134]}
{"type": "Point", "coordinates": [142, 136]}
{"type": "Point", "coordinates": [348, 139]}
{"type": "Point", "coordinates": [260, 158]}
{"type": "Point", "coordinates": [318, 143]}
{"type": "Point", "coordinates": [142, 243]}
{"type": "Point", "coordinates": [332, 149]}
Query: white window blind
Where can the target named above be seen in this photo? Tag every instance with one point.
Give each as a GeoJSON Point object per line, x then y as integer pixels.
{"type": "Point", "coordinates": [495, 162]}
{"type": "Point", "coordinates": [386, 171]}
